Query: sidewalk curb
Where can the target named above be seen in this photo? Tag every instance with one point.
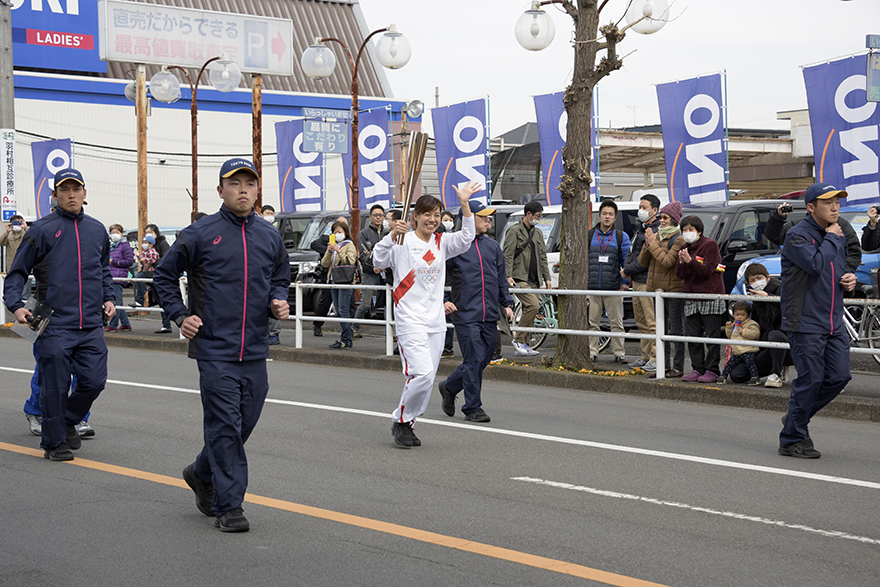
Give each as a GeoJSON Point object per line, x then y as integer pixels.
{"type": "Point", "coordinates": [759, 398]}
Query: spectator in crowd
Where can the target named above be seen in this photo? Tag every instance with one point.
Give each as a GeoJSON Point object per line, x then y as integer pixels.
{"type": "Point", "coordinates": [744, 328]}
{"type": "Point", "coordinates": [479, 286]}
{"type": "Point", "coordinates": [267, 212]}
{"type": "Point", "coordinates": [161, 247]}
{"type": "Point", "coordinates": [660, 255]}
{"type": "Point", "coordinates": [607, 252]}
{"type": "Point", "coordinates": [391, 217]}
{"type": "Point", "coordinates": [325, 300]}
{"type": "Point", "coordinates": [420, 272]}
{"type": "Point", "coordinates": [814, 277]}
{"type": "Point", "coordinates": [147, 260]}
{"type": "Point", "coordinates": [12, 237]}
{"type": "Point", "coordinates": [779, 224]}
{"type": "Point", "coordinates": [370, 275]}
{"type": "Point", "coordinates": [637, 274]}
{"type": "Point", "coordinates": [699, 267]}
{"type": "Point", "coordinates": [340, 259]}
{"type": "Point", "coordinates": [237, 266]}
{"type": "Point", "coordinates": [121, 260]}
{"type": "Point", "coordinates": [447, 224]}
{"type": "Point", "coordinates": [75, 282]}
{"type": "Point", "coordinates": [771, 363]}
{"type": "Point", "coordinates": [525, 259]}
{"type": "Point", "coordinates": [870, 234]}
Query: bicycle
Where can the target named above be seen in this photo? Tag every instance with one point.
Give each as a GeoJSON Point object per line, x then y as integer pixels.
{"type": "Point", "coordinates": [863, 323]}
{"type": "Point", "coordinates": [547, 318]}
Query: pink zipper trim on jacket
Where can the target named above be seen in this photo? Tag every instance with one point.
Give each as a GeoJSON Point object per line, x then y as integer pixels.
{"type": "Point", "coordinates": [79, 273]}
{"type": "Point", "coordinates": [831, 318]}
{"type": "Point", "coordinates": [482, 278]}
{"type": "Point", "coordinates": [244, 312]}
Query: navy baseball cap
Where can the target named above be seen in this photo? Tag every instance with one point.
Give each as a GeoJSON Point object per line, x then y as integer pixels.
{"type": "Point", "coordinates": [822, 191]}
{"type": "Point", "coordinates": [69, 173]}
{"type": "Point", "coordinates": [479, 209]}
{"type": "Point", "coordinates": [233, 166]}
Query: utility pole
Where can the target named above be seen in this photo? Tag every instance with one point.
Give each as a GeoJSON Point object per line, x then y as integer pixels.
{"type": "Point", "coordinates": [7, 103]}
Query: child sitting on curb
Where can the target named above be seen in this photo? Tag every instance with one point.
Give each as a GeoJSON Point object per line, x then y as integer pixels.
{"type": "Point", "coordinates": [743, 329]}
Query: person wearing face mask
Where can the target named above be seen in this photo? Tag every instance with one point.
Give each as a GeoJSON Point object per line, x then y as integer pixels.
{"type": "Point", "coordinates": [637, 274]}
{"type": "Point", "coordinates": [121, 259]}
{"type": "Point", "coordinates": [699, 267]}
{"type": "Point", "coordinates": [147, 260]}
{"type": "Point", "coordinates": [370, 275]}
{"type": "Point", "coordinates": [268, 213]}
{"type": "Point", "coordinates": [771, 363]}
{"type": "Point", "coordinates": [660, 256]}
{"type": "Point", "coordinates": [12, 237]}
{"type": "Point", "coordinates": [341, 258]}
{"type": "Point", "coordinates": [525, 260]}
{"type": "Point", "coordinates": [447, 223]}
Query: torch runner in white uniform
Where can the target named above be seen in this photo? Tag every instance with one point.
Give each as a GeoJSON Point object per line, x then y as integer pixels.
{"type": "Point", "coordinates": [419, 266]}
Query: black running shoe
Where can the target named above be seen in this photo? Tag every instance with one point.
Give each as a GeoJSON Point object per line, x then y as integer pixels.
{"type": "Point", "coordinates": [448, 400]}
{"type": "Point", "coordinates": [232, 521]}
{"type": "Point", "coordinates": [204, 491]}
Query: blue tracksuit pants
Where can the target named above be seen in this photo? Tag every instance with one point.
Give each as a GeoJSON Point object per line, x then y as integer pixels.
{"type": "Point", "coordinates": [233, 394]}
{"type": "Point", "coordinates": [476, 341]}
{"type": "Point", "coordinates": [32, 405]}
{"type": "Point", "coordinates": [61, 352]}
{"type": "Point", "coordinates": [822, 363]}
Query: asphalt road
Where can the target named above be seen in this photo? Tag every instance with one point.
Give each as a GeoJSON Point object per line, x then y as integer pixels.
{"type": "Point", "coordinates": [561, 488]}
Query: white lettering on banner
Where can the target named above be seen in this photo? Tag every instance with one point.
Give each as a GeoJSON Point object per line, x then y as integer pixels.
{"type": "Point", "coordinates": [710, 172]}
{"type": "Point", "coordinates": [701, 131]}
{"type": "Point", "coordinates": [303, 176]}
{"type": "Point", "coordinates": [370, 171]}
{"type": "Point", "coordinates": [563, 125]}
{"type": "Point", "coordinates": [54, 6]}
{"type": "Point", "coordinates": [853, 115]}
{"type": "Point", "coordinates": [708, 197]}
{"type": "Point", "coordinates": [52, 156]}
{"type": "Point", "coordinates": [466, 166]}
{"type": "Point", "coordinates": [853, 140]}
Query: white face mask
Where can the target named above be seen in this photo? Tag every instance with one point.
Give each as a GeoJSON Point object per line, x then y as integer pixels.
{"type": "Point", "coordinates": [145, 246]}
{"type": "Point", "coordinates": [116, 237]}
{"type": "Point", "coordinates": [690, 237]}
{"type": "Point", "coordinates": [386, 225]}
{"type": "Point", "coordinates": [759, 285]}
{"type": "Point", "coordinates": [340, 236]}
{"type": "Point", "coordinates": [448, 224]}
{"type": "Point", "coordinates": [644, 215]}
{"type": "Point", "coordinates": [269, 218]}
{"type": "Point", "coordinates": [16, 229]}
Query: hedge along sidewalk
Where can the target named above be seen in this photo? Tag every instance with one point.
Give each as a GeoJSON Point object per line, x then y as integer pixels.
{"type": "Point", "coordinates": [843, 407]}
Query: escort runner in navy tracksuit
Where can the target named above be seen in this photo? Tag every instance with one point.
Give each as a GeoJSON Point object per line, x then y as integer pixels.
{"type": "Point", "coordinates": [814, 278]}
{"type": "Point", "coordinates": [76, 284]}
{"type": "Point", "coordinates": [479, 285]}
{"type": "Point", "coordinates": [238, 274]}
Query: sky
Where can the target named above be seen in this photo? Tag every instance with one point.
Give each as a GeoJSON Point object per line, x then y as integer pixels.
{"type": "Point", "coordinates": [468, 50]}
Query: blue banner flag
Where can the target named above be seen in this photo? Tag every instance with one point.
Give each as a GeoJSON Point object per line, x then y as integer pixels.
{"type": "Point", "coordinates": [844, 126]}
{"type": "Point", "coordinates": [50, 157]}
{"type": "Point", "coordinates": [691, 114]}
{"type": "Point", "coordinates": [460, 133]}
{"type": "Point", "coordinates": [300, 174]}
{"type": "Point", "coordinates": [552, 128]}
{"type": "Point", "coordinates": [374, 159]}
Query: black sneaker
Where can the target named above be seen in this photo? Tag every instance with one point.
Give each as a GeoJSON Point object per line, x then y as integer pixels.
{"type": "Point", "coordinates": [448, 403]}
{"type": "Point", "coordinates": [621, 360]}
{"type": "Point", "coordinates": [594, 358]}
{"type": "Point", "coordinates": [74, 442]}
{"type": "Point", "coordinates": [448, 353]}
{"type": "Point", "coordinates": [755, 381]}
{"type": "Point", "coordinates": [204, 491]}
{"type": "Point", "coordinates": [163, 330]}
{"type": "Point", "coordinates": [403, 434]}
{"type": "Point", "coordinates": [497, 357]}
{"type": "Point", "coordinates": [478, 415]}
{"type": "Point", "coordinates": [799, 450]}
{"type": "Point", "coordinates": [232, 521]}
{"type": "Point", "coordinates": [59, 453]}
{"type": "Point", "coordinates": [317, 331]}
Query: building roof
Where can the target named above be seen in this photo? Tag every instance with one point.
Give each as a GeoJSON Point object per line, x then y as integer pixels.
{"type": "Point", "coordinates": [342, 19]}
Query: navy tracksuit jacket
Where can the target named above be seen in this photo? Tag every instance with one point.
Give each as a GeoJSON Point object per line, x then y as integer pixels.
{"type": "Point", "coordinates": [70, 257]}
{"type": "Point", "coordinates": [235, 267]}
{"type": "Point", "coordinates": [479, 284]}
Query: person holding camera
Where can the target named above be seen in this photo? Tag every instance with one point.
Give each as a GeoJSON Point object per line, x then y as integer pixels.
{"type": "Point", "coordinates": [367, 239]}
{"type": "Point", "coordinates": [779, 224]}
{"type": "Point", "coordinates": [870, 234]}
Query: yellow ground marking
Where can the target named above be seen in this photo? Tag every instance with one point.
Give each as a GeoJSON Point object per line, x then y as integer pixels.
{"type": "Point", "coordinates": [506, 554]}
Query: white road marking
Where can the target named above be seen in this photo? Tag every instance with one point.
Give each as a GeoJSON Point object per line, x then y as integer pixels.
{"type": "Point", "coordinates": [684, 506]}
{"type": "Point", "coordinates": [533, 436]}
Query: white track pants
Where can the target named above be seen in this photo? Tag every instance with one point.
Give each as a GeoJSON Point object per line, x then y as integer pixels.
{"type": "Point", "coordinates": [420, 355]}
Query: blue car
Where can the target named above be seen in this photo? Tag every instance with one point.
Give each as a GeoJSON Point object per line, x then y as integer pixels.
{"type": "Point", "coordinates": [858, 217]}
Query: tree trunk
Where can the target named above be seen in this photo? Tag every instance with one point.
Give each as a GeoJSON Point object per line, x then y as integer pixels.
{"type": "Point", "coordinates": [574, 351]}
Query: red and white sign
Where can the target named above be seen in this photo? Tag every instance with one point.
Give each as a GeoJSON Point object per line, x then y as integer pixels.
{"type": "Point", "coordinates": [56, 39]}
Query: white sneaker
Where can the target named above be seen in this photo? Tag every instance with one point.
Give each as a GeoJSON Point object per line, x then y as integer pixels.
{"type": "Point", "coordinates": [650, 367]}
{"type": "Point", "coordinates": [784, 377]}
{"type": "Point", "coordinates": [523, 350]}
{"type": "Point", "coordinates": [84, 430]}
{"type": "Point", "coordinates": [774, 381]}
{"type": "Point", "coordinates": [35, 423]}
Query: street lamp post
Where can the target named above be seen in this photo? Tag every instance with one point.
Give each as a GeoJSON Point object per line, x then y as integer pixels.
{"type": "Point", "coordinates": [224, 75]}
{"type": "Point", "coordinates": [318, 62]}
{"type": "Point", "coordinates": [534, 31]}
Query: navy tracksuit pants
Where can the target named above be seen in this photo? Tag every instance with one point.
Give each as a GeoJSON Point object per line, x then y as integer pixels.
{"type": "Point", "coordinates": [232, 394]}
{"type": "Point", "coordinates": [476, 341]}
{"type": "Point", "coordinates": [822, 363]}
{"type": "Point", "coordinates": [61, 352]}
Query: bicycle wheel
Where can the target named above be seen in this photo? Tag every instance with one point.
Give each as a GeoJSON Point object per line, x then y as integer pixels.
{"type": "Point", "coordinates": [604, 341]}
{"type": "Point", "coordinates": [533, 339]}
{"type": "Point", "coordinates": [872, 330]}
